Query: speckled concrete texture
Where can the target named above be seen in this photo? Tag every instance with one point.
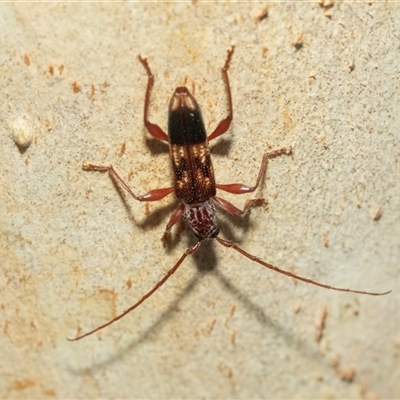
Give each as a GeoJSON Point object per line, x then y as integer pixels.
{"type": "Point", "coordinates": [74, 251]}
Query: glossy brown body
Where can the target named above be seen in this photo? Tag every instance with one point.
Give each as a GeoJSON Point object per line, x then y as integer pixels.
{"type": "Point", "coordinates": [194, 180]}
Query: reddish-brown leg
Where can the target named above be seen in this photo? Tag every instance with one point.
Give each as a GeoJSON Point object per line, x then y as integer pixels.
{"type": "Point", "coordinates": [232, 209]}
{"type": "Point", "coordinates": [153, 129]}
{"type": "Point", "coordinates": [227, 206]}
{"type": "Point", "coordinates": [223, 126]}
{"type": "Point", "coordinates": [188, 252]}
{"type": "Point", "coordinates": [240, 188]}
{"type": "Point", "coordinates": [175, 217]}
{"type": "Point", "coordinates": [153, 195]}
{"type": "Point", "coordinates": [227, 243]}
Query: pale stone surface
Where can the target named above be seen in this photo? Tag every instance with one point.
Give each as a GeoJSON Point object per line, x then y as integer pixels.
{"type": "Point", "coordinates": [74, 252]}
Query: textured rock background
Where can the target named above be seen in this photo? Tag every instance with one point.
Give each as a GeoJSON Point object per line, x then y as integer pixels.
{"type": "Point", "coordinates": [74, 252]}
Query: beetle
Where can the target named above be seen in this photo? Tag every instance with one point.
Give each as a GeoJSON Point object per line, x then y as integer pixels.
{"type": "Point", "coordinates": [194, 182]}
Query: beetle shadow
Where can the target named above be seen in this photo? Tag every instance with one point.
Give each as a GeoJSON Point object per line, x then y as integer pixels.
{"type": "Point", "coordinates": [206, 262]}
{"type": "Point", "coordinates": [156, 146]}
{"type": "Point", "coordinates": [231, 224]}
{"type": "Point", "coordinates": [152, 218]}
{"type": "Point", "coordinates": [221, 147]}
{"type": "Point", "coordinates": [155, 218]}
{"type": "Point", "coordinates": [147, 334]}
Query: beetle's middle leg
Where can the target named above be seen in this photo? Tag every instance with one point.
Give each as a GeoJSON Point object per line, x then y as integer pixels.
{"type": "Point", "coordinates": [240, 188]}
{"type": "Point", "coordinates": [153, 195]}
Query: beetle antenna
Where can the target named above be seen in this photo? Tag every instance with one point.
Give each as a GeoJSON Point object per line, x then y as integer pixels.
{"type": "Point", "coordinates": [188, 252]}
{"type": "Point", "coordinates": [227, 243]}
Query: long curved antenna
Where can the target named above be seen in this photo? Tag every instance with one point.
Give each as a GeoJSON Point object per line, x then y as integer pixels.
{"type": "Point", "coordinates": [188, 252]}
{"type": "Point", "coordinates": [227, 243]}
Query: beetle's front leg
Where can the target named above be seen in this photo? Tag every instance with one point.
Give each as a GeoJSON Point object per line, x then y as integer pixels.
{"type": "Point", "coordinates": [223, 126]}
{"type": "Point", "coordinates": [153, 129]}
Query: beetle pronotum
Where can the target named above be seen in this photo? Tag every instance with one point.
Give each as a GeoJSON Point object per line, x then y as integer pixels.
{"type": "Point", "coordinates": [194, 183]}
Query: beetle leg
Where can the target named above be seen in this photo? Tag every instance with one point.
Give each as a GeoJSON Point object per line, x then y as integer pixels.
{"type": "Point", "coordinates": [223, 126]}
{"type": "Point", "coordinates": [240, 188]}
{"type": "Point", "coordinates": [153, 129]}
{"type": "Point", "coordinates": [153, 195]}
{"type": "Point", "coordinates": [232, 209]}
{"type": "Point", "coordinates": [175, 217]}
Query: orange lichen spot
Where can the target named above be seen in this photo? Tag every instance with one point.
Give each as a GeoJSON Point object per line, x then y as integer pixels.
{"type": "Point", "coordinates": [61, 69]}
{"type": "Point", "coordinates": [334, 361]}
{"type": "Point", "coordinates": [122, 149]}
{"type": "Point", "coordinates": [75, 87]}
{"type": "Point", "coordinates": [233, 338]}
{"type": "Point", "coordinates": [326, 4]}
{"type": "Point", "coordinates": [129, 283]}
{"type": "Point", "coordinates": [231, 313]}
{"type": "Point", "coordinates": [51, 69]}
{"type": "Point", "coordinates": [298, 42]}
{"type": "Point", "coordinates": [233, 309]}
{"type": "Point", "coordinates": [311, 77]}
{"type": "Point", "coordinates": [5, 327]}
{"type": "Point", "coordinates": [297, 308]}
{"type": "Point", "coordinates": [378, 214]}
{"type": "Point", "coordinates": [288, 119]}
{"type": "Point", "coordinates": [263, 14]}
{"type": "Point", "coordinates": [147, 209]}
{"type": "Point", "coordinates": [211, 325]}
{"type": "Point", "coordinates": [22, 384]}
{"type": "Point", "coordinates": [92, 90]}
{"type": "Point", "coordinates": [226, 370]}
{"type": "Point", "coordinates": [27, 59]}
{"type": "Point", "coordinates": [321, 324]}
{"type": "Point", "coordinates": [319, 377]}
{"type": "Point", "coordinates": [130, 174]}
{"type": "Point", "coordinates": [347, 374]}
{"type": "Point", "coordinates": [49, 392]}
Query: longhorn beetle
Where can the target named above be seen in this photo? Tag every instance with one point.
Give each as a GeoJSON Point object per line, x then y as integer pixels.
{"type": "Point", "coordinates": [194, 182]}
